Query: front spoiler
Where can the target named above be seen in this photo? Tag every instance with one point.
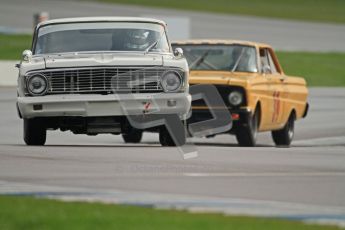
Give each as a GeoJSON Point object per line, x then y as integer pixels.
{"type": "Point", "coordinates": [93, 105]}
{"type": "Point", "coordinates": [199, 115]}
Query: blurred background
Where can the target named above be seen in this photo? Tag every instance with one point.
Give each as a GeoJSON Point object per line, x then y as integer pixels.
{"type": "Point", "coordinates": [308, 34]}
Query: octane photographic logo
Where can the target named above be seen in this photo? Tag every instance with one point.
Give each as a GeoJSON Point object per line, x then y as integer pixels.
{"type": "Point", "coordinates": [143, 112]}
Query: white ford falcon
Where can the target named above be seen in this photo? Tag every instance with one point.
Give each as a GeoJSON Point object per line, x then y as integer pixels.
{"type": "Point", "coordinates": [114, 75]}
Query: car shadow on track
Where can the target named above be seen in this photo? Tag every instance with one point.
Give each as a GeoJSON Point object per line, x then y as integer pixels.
{"type": "Point", "coordinates": [89, 145]}
{"type": "Point", "coordinates": [229, 145]}
{"type": "Point", "coordinates": [155, 145]}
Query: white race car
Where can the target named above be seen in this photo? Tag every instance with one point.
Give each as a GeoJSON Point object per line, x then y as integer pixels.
{"type": "Point", "coordinates": [113, 75]}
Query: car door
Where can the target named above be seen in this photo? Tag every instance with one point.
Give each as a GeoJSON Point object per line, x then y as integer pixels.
{"type": "Point", "coordinates": [279, 90]}
{"type": "Point", "coordinates": [268, 106]}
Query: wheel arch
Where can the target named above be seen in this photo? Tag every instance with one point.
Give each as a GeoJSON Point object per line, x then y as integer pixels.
{"type": "Point", "coordinates": [293, 111]}
{"type": "Point", "coordinates": [259, 109]}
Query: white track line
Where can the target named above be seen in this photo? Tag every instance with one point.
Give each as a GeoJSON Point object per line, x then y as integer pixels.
{"type": "Point", "coordinates": [265, 174]}
{"type": "Point", "coordinates": [325, 141]}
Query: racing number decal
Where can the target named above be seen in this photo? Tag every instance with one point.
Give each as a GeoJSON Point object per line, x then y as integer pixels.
{"type": "Point", "coordinates": [276, 106]}
{"type": "Point", "coordinates": [147, 106]}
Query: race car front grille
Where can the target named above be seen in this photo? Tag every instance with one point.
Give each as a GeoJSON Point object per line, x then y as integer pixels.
{"type": "Point", "coordinates": [224, 92]}
{"type": "Point", "coordinates": [105, 80]}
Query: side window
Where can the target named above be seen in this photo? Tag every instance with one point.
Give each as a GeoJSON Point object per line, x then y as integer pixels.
{"type": "Point", "coordinates": [264, 59]}
{"type": "Point", "coordinates": [271, 63]}
{"type": "Point", "coordinates": [163, 44]}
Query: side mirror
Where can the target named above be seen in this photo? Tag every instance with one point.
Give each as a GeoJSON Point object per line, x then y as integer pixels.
{"type": "Point", "coordinates": [178, 52]}
{"type": "Point", "coordinates": [27, 55]}
{"type": "Point", "coordinates": [266, 69]}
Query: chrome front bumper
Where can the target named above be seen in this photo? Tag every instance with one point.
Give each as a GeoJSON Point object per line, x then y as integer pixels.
{"type": "Point", "coordinates": [92, 105]}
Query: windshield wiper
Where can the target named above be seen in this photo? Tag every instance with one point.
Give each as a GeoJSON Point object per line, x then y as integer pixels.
{"type": "Point", "coordinates": [200, 59]}
{"type": "Point", "coordinates": [238, 61]}
{"type": "Point", "coordinates": [198, 64]}
{"type": "Point", "coordinates": [154, 44]}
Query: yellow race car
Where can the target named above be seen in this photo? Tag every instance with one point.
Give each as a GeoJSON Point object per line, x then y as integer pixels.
{"type": "Point", "coordinates": [250, 80]}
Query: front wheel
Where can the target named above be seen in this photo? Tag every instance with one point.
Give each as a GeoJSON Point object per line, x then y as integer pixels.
{"type": "Point", "coordinates": [34, 132]}
{"type": "Point", "coordinates": [134, 136]}
{"type": "Point", "coordinates": [166, 139]}
{"type": "Point", "coordinates": [284, 136]}
{"type": "Point", "coordinates": [246, 133]}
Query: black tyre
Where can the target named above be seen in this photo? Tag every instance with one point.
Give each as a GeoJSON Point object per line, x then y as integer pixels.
{"type": "Point", "coordinates": [246, 133]}
{"type": "Point", "coordinates": [167, 140]}
{"type": "Point", "coordinates": [134, 136]}
{"type": "Point", "coordinates": [284, 136]}
{"type": "Point", "coordinates": [35, 132]}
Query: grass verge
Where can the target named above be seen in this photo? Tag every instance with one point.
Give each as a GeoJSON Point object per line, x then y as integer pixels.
{"type": "Point", "coordinates": [30, 213]}
{"type": "Point", "coordinates": [12, 46]}
{"type": "Point", "coordinates": [319, 69]}
{"type": "Point", "coordinates": [308, 10]}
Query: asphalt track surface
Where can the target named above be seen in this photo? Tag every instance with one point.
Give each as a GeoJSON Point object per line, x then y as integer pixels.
{"type": "Point", "coordinates": [282, 34]}
{"type": "Point", "coordinates": [306, 181]}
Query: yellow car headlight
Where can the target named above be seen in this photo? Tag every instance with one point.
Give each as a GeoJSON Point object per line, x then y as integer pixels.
{"type": "Point", "coordinates": [235, 98]}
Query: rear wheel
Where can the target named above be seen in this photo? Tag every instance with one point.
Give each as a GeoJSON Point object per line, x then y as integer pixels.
{"type": "Point", "coordinates": [167, 140]}
{"type": "Point", "coordinates": [246, 133]}
{"type": "Point", "coordinates": [134, 136]}
{"type": "Point", "coordinates": [35, 132]}
{"type": "Point", "coordinates": [284, 136]}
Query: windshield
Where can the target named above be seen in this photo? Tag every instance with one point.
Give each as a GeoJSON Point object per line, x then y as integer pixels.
{"type": "Point", "coordinates": [236, 58]}
{"type": "Point", "coordinates": [101, 36]}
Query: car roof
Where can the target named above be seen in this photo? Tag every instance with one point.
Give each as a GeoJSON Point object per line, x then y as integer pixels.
{"type": "Point", "coordinates": [218, 42]}
{"type": "Point", "coordinates": [101, 19]}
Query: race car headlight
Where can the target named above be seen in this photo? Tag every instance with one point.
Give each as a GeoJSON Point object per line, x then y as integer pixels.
{"type": "Point", "coordinates": [235, 98]}
{"type": "Point", "coordinates": [37, 84]}
{"type": "Point", "coordinates": [171, 81]}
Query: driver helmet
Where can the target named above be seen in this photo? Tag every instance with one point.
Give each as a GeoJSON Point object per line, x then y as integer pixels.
{"type": "Point", "coordinates": [138, 38]}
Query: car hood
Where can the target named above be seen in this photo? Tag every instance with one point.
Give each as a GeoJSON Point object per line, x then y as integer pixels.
{"type": "Point", "coordinates": [219, 77]}
{"type": "Point", "coordinates": [85, 60]}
